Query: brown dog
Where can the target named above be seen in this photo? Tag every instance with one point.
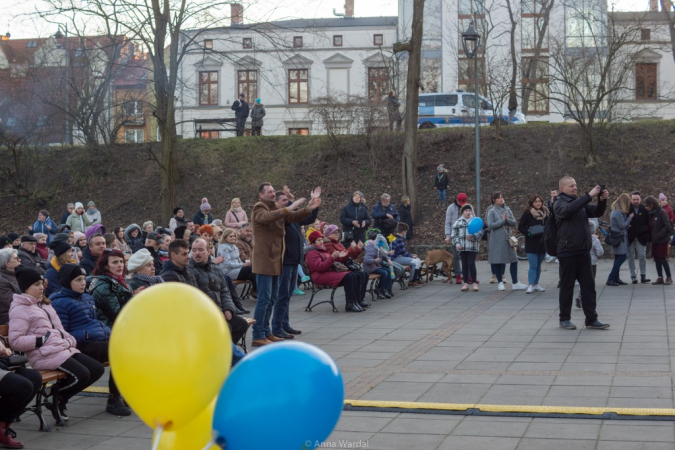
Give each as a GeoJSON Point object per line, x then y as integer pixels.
{"type": "Point", "coordinates": [438, 256]}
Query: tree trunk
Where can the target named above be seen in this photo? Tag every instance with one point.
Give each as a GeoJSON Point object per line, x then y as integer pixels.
{"type": "Point", "coordinates": [409, 159]}
{"type": "Point", "coordinates": [668, 7]}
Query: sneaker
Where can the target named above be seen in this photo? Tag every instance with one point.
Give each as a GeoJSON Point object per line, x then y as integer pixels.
{"type": "Point", "coordinates": [501, 287]}
{"type": "Point", "coordinates": [305, 279]}
{"type": "Point", "coordinates": [297, 291]}
{"type": "Point", "coordinates": [116, 406]}
{"type": "Point", "coordinates": [597, 325]}
{"type": "Point", "coordinates": [465, 287]}
{"type": "Point", "coordinates": [530, 289]}
{"type": "Point", "coordinates": [519, 286]}
{"type": "Point", "coordinates": [539, 288]}
{"type": "Point", "coordinates": [566, 324]}
{"type": "Point", "coordinates": [475, 287]}
{"type": "Point", "coordinates": [493, 280]}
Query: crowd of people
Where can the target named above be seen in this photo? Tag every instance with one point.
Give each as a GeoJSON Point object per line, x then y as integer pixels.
{"type": "Point", "coordinates": [63, 285]}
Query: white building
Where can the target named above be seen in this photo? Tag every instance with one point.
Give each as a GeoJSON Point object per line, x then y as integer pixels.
{"type": "Point", "coordinates": [286, 64]}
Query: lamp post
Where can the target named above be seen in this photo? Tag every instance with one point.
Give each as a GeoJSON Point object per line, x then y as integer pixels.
{"type": "Point", "coordinates": [471, 44]}
{"type": "Point", "coordinates": [59, 35]}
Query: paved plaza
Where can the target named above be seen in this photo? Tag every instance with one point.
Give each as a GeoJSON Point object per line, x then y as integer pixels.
{"type": "Point", "coordinates": [437, 344]}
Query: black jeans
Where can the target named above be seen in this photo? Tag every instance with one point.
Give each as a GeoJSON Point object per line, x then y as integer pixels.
{"type": "Point", "coordinates": [255, 131]}
{"type": "Point", "coordinates": [246, 274]}
{"type": "Point", "coordinates": [99, 351]}
{"type": "Point", "coordinates": [241, 125]}
{"type": "Point", "coordinates": [83, 371]}
{"type": "Point", "coordinates": [361, 283]}
{"type": "Point", "coordinates": [661, 263]}
{"type": "Point", "coordinates": [352, 289]}
{"type": "Point", "coordinates": [238, 326]}
{"type": "Point", "coordinates": [17, 390]}
{"type": "Point", "coordinates": [468, 265]}
{"type": "Point", "coordinates": [578, 268]}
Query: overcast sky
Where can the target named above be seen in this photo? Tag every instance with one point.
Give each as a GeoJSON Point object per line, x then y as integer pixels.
{"type": "Point", "coordinates": [13, 20]}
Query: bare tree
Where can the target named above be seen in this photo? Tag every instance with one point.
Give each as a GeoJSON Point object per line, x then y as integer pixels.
{"type": "Point", "coordinates": [413, 85]}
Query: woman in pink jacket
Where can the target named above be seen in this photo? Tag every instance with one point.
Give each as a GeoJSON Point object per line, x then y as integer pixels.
{"type": "Point", "coordinates": [236, 216]}
{"type": "Point", "coordinates": [36, 330]}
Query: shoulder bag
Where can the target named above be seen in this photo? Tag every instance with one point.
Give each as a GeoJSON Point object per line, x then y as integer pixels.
{"type": "Point", "coordinates": [536, 230]}
{"type": "Point", "coordinates": [614, 238]}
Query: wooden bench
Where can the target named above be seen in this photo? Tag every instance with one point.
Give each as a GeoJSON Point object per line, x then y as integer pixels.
{"type": "Point", "coordinates": [246, 291]}
{"type": "Point", "coordinates": [316, 288]}
{"type": "Point", "coordinates": [42, 397]}
{"type": "Point", "coordinates": [242, 342]}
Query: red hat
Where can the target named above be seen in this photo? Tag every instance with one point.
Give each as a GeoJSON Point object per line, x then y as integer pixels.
{"type": "Point", "coordinates": [461, 198]}
{"type": "Point", "coordinates": [314, 235]}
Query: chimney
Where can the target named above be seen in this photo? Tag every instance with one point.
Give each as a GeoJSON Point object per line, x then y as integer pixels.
{"type": "Point", "coordinates": [653, 5]}
{"type": "Point", "coordinates": [236, 14]}
{"type": "Point", "coordinates": [349, 8]}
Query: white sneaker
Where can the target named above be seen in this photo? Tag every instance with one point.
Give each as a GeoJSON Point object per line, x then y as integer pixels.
{"type": "Point", "coordinates": [539, 288]}
{"type": "Point", "coordinates": [519, 286]}
{"type": "Point", "coordinates": [500, 287]}
{"type": "Point", "coordinates": [530, 288]}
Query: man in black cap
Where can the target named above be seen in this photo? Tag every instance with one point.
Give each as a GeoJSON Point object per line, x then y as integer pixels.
{"type": "Point", "coordinates": [152, 244]}
{"type": "Point", "coordinates": [29, 255]}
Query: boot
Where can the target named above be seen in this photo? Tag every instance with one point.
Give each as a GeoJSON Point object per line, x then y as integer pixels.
{"type": "Point", "coordinates": [668, 281]}
{"type": "Point", "coordinates": [390, 292]}
{"type": "Point", "coordinates": [659, 280]}
{"type": "Point", "coordinates": [363, 304]}
{"type": "Point", "coordinates": [644, 279]}
{"type": "Point", "coordinates": [386, 294]}
{"type": "Point", "coordinates": [380, 295]}
{"type": "Point", "coordinates": [254, 294]}
{"type": "Point", "coordinates": [240, 308]}
{"type": "Point", "coordinates": [352, 307]}
{"type": "Point", "coordinates": [458, 279]}
{"type": "Point", "coordinates": [116, 406]}
{"type": "Point", "coordinates": [7, 436]}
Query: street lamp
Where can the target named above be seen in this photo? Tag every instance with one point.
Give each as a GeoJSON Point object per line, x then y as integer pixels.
{"type": "Point", "coordinates": [471, 44]}
{"type": "Point", "coordinates": [59, 35]}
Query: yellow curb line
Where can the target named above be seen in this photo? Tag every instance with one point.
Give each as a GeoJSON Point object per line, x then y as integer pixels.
{"type": "Point", "coordinates": [514, 408]}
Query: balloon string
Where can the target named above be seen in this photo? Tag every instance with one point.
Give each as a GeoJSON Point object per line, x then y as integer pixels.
{"type": "Point", "coordinates": [155, 444]}
{"type": "Point", "coordinates": [211, 443]}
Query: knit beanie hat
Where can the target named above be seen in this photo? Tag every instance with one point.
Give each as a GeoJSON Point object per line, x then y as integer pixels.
{"type": "Point", "coordinates": [26, 276]}
{"type": "Point", "coordinates": [44, 213]}
{"type": "Point", "coordinates": [69, 272]}
{"type": "Point", "coordinates": [314, 235]}
{"type": "Point", "coordinates": [78, 235]}
{"type": "Point", "coordinates": [4, 241]}
{"type": "Point", "coordinates": [79, 205]}
{"type": "Point", "coordinates": [180, 231]}
{"type": "Point", "coordinates": [330, 229]}
{"type": "Point", "coordinates": [372, 234]}
{"type": "Point", "coordinates": [464, 208]}
{"type": "Point", "coordinates": [91, 203]}
{"type": "Point", "coordinates": [205, 205]}
{"type": "Point", "coordinates": [662, 197]}
{"type": "Point", "coordinates": [60, 247]}
{"type": "Point", "coordinates": [257, 100]}
{"type": "Point", "coordinates": [60, 237]}
{"type": "Point", "coordinates": [13, 236]}
{"type": "Point", "coordinates": [176, 209]}
{"type": "Point", "coordinates": [138, 260]}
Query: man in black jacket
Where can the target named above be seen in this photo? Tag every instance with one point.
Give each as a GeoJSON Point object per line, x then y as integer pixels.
{"type": "Point", "coordinates": [95, 247]}
{"type": "Point", "coordinates": [294, 243]}
{"type": "Point", "coordinates": [211, 281]}
{"type": "Point", "coordinates": [176, 268]}
{"type": "Point", "coordinates": [241, 110]}
{"type": "Point", "coordinates": [638, 236]}
{"type": "Point", "coordinates": [574, 244]}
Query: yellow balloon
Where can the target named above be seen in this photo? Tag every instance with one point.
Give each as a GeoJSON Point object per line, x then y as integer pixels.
{"type": "Point", "coordinates": [170, 352]}
{"type": "Point", "coordinates": [194, 435]}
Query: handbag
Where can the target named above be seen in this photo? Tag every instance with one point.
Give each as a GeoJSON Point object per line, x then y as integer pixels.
{"type": "Point", "coordinates": [13, 362]}
{"type": "Point", "coordinates": [347, 236]}
{"type": "Point", "coordinates": [512, 240]}
{"type": "Point", "coordinates": [536, 230]}
{"type": "Point", "coordinates": [339, 267]}
{"type": "Point", "coordinates": [353, 266]}
{"type": "Point", "coordinates": [614, 238]}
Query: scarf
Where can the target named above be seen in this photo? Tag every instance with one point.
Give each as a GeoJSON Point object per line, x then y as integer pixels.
{"type": "Point", "coordinates": [180, 221]}
{"type": "Point", "coordinates": [240, 209]}
{"type": "Point", "coordinates": [91, 212]}
{"type": "Point", "coordinates": [120, 280]}
{"type": "Point", "coordinates": [148, 279]}
{"type": "Point", "coordinates": [539, 214]}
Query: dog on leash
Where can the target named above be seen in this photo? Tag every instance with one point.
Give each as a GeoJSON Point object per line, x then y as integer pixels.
{"type": "Point", "coordinates": [438, 256]}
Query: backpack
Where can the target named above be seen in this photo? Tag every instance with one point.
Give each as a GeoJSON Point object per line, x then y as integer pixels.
{"type": "Point", "coordinates": [551, 235]}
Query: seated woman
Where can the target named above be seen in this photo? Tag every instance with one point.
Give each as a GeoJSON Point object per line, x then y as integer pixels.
{"type": "Point", "coordinates": [232, 266]}
{"type": "Point", "coordinates": [36, 330]}
{"type": "Point", "coordinates": [63, 254]}
{"type": "Point", "coordinates": [134, 238]}
{"type": "Point", "coordinates": [41, 245]}
{"type": "Point", "coordinates": [333, 244]}
{"type": "Point", "coordinates": [372, 263]}
{"type": "Point", "coordinates": [108, 286]}
{"type": "Point", "coordinates": [142, 270]}
{"type": "Point", "coordinates": [17, 390]}
{"type": "Point", "coordinates": [320, 264]}
{"type": "Point", "coordinates": [78, 316]}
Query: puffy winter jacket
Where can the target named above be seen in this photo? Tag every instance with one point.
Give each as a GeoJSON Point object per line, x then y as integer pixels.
{"type": "Point", "coordinates": [88, 261]}
{"type": "Point", "coordinates": [78, 316]}
{"type": "Point", "coordinates": [171, 272]}
{"type": "Point", "coordinates": [109, 297]}
{"type": "Point", "coordinates": [30, 319]}
{"type": "Point", "coordinates": [357, 212]}
{"type": "Point", "coordinates": [380, 212]}
{"type": "Point", "coordinates": [32, 260]}
{"type": "Point", "coordinates": [135, 244]}
{"type": "Point", "coordinates": [41, 227]}
{"type": "Point", "coordinates": [78, 222]}
{"type": "Point", "coordinates": [200, 219]}
{"type": "Point", "coordinates": [571, 215]}
{"type": "Point", "coordinates": [320, 265]}
{"type": "Point", "coordinates": [8, 287]}
{"type": "Point", "coordinates": [211, 281]}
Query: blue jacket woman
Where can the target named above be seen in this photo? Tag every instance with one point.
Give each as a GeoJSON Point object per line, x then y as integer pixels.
{"type": "Point", "coordinates": [45, 225]}
{"type": "Point", "coordinates": [78, 316]}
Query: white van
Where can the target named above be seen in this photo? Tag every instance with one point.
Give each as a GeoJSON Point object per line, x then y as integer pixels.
{"type": "Point", "coordinates": [456, 109]}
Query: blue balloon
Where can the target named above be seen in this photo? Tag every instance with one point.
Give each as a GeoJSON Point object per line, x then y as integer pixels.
{"type": "Point", "coordinates": [475, 225]}
{"type": "Point", "coordinates": [285, 396]}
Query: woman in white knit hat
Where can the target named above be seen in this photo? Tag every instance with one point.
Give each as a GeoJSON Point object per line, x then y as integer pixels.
{"type": "Point", "coordinates": [141, 267]}
{"type": "Point", "coordinates": [78, 220]}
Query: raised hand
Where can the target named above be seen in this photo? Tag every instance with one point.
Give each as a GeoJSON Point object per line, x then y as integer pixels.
{"type": "Point", "coordinates": [316, 192]}
{"type": "Point", "coordinates": [314, 203]}
{"type": "Point", "coordinates": [296, 204]}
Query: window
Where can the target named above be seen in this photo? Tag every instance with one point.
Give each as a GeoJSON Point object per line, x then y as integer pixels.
{"type": "Point", "coordinates": [645, 81]}
{"type": "Point", "coordinates": [378, 83]}
{"type": "Point", "coordinates": [535, 86]}
{"type": "Point", "coordinates": [337, 40]}
{"type": "Point", "coordinates": [133, 135]}
{"type": "Point", "coordinates": [248, 43]}
{"type": "Point", "coordinates": [42, 121]}
{"type": "Point", "coordinates": [11, 121]}
{"type": "Point", "coordinates": [209, 134]}
{"type": "Point", "coordinates": [446, 100]}
{"type": "Point", "coordinates": [208, 88]}
{"type": "Point", "coordinates": [534, 7]}
{"type": "Point", "coordinates": [31, 44]}
{"type": "Point", "coordinates": [208, 44]}
{"type": "Point", "coordinates": [584, 27]}
{"type": "Point", "coordinates": [298, 86]}
{"type": "Point", "coordinates": [248, 84]}
{"type": "Point", "coordinates": [470, 100]}
{"type": "Point", "coordinates": [531, 31]}
{"type": "Point", "coordinates": [297, 41]}
{"type": "Point", "coordinates": [645, 34]}
{"type": "Point", "coordinates": [298, 131]}
{"type": "Point", "coordinates": [468, 7]}
{"type": "Point", "coordinates": [133, 112]}
{"type": "Point", "coordinates": [466, 74]}
{"type": "Point", "coordinates": [378, 39]}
